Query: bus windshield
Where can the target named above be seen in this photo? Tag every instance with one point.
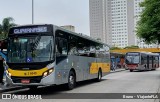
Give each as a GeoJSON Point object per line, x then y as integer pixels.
{"type": "Point", "coordinates": [28, 49]}
{"type": "Point", "coordinates": [132, 58]}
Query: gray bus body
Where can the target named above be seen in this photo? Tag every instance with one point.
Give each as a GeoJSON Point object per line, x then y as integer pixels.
{"type": "Point", "coordinates": [47, 54]}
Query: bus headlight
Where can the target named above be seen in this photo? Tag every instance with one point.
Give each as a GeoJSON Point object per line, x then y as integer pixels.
{"type": "Point", "coordinates": [48, 72]}
{"type": "Point", "coordinates": [7, 72]}
{"type": "Point", "coordinates": [45, 74]}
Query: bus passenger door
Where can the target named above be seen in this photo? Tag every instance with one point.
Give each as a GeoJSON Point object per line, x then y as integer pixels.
{"type": "Point", "coordinates": [153, 62]}
{"type": "Point", "coordinates": [150, 62]}
{"type": "Point", "coordinates": [61, 60]}
{"type": "Point", "coordinates": [147, 62]}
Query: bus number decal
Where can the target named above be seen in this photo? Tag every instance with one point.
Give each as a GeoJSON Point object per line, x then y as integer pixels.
{"type": "Point", "coordinates": [30, 73]}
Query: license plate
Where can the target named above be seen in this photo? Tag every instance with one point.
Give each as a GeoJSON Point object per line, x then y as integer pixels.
{"type": "Point", "coordinates": [131, 66]}
{"type": "Point", "coordinates": [25, 81]}
{"type": "Point", "coordinates": [30, 73]}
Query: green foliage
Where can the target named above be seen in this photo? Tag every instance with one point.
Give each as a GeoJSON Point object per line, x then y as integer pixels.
{"type": "Point", "coordinates": [7, 23]}
{"type": "Point", "coordinates": [132, 47]}
{"type": "Point", "coordinates": [148, 27]}
{"type": "Point", "coordinates": [115, 48]}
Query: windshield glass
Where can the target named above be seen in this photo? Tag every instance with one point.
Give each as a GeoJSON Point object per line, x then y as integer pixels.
{"type": "Point", "coordinates": [30, 49]}
{"type": "Point", "coordinates": [132, 58]}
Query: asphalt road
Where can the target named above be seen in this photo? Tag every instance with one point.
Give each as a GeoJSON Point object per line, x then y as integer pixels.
{"type": "Point", "coordinates": [119, 82]}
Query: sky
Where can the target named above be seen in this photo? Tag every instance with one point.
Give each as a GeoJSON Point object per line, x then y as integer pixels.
{"type": "Point", "coordinates": [57, 12]}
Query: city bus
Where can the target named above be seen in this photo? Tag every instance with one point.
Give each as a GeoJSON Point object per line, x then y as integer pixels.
{"type": "Point", "coordinates": [42, 55]}
{"type": "Point", "coordinates": [141, 61]}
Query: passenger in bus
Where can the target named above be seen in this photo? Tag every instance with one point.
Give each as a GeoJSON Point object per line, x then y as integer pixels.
{"type": "Point", "coordinates": [1, 69]}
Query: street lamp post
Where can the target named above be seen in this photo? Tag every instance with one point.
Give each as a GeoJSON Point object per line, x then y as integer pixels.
{"type": "Point", "coordinates": [32, 12]}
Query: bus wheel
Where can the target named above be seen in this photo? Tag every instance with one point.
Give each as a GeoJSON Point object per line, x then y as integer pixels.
{"type": "Point", "coordinates": [131, 70]}
{"type": "Point", "coordinates": [71, 80]}
{"type": "Point", "coordinates": [99, 78]}
{"type": "Point", "coordinates": [153, 69]}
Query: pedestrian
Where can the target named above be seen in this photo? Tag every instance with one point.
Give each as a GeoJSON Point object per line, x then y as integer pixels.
{"type": "Point", "coordinates": [1, 69]}
{"type": "Point", "coordinates": [113, 65]}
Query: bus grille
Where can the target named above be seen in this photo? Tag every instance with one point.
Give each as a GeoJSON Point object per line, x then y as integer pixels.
{"type": "Point", "coordinates": [32, 79]}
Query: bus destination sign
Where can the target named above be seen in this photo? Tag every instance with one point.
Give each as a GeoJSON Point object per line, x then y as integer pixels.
{"type": "Point", "coordinates": [41, 29]}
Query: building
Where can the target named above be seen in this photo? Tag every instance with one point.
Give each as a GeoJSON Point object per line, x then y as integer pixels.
{"type": "Point", "coordinates": [69, 27]}
{"type": "Point", "coordinates": [98, 27]}
{"type": "Point", "coordinates": [114, 21]}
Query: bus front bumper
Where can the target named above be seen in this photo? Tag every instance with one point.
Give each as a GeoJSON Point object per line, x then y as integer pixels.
{"type": "Point", "coordinates": [133, 68]}
{"type": "Point", "coordinates": [34, 81]}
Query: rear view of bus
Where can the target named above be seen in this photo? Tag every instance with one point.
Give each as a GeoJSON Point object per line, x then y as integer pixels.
{"type": "Point", "coordinates": [132, 60]}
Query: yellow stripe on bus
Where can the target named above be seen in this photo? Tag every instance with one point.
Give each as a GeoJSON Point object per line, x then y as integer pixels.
{"type": "Point", "coordinates": [95, 67]}
{"type": "Point", "coordinates": [27, 73]}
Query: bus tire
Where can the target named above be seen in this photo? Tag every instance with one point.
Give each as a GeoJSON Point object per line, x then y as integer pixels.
{"type": "Point", "coordinates": [71, 80]}
{"type": "Point", "coordinates": [153, 68]}
{"type": "Point", "coordinates": [99, 77]}
{"type": "Point", "coordinates": [131, 70]}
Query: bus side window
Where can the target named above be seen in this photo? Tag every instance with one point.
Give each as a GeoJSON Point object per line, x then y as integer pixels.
{"type": "Point", "coordinates": [100, 51]}
{"type": "Point", "coordinates": [150, 59]}
{"type": "Point", "coordinates": [156, 59]}
{"type": "Point", "coordinates": [92, 52]}
{"type": "Point", "coordinates": [145, 59]}
{"type": "Point", "coordinates": [83, 47]}
{"type": "Point", "coordinates": [65, 47]}
{"type": "Point", "coordinates": [61, 46]}
{"type": "Point", "coordinates": [72, 46]}
{"type": "Point", "coordinates": [142, 60]}
{"type": "Point", "coordinates": [73, 51]}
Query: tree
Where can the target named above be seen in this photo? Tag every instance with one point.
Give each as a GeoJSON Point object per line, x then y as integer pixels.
{"type": "Point", "coordinates": [115, 48]}
{"type": "Point", "coordinates": [132, 47]}
{"type": "Point", "coordinates": [148, 27]}
{"type": "Point", "coordinates": [7, 23]}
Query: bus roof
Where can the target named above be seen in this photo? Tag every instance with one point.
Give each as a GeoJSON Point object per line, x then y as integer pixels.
{"type": "Point", "coordinates": [79, 35]}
